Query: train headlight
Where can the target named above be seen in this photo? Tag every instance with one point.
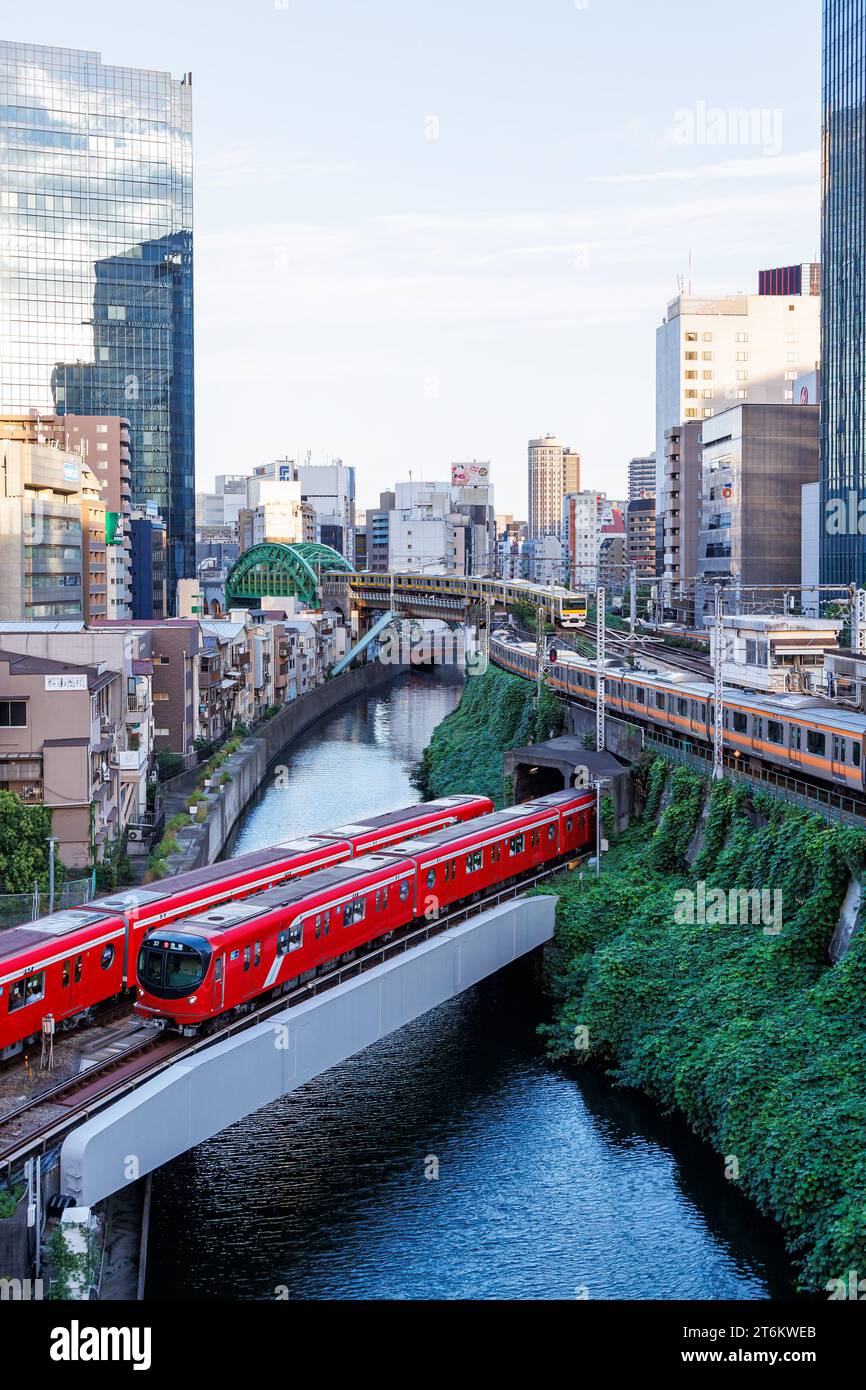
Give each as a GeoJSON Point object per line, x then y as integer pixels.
{"type": "Point", "coordinates": [192, 998]}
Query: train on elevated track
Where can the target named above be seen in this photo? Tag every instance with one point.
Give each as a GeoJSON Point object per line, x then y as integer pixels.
{"type": "Point", "coordinates": [800, 735]}
{"type": "Point", "coordinates": [67, 964]}
{"type": "Point", "coordinates": [222, 962]}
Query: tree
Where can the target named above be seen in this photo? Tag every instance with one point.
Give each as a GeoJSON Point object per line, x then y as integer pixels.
{"type": "Point", "coordinates": [24, 832]}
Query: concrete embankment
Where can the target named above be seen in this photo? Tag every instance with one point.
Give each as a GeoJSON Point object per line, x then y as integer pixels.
{"type": "Point", "coordinates": [248, 767]}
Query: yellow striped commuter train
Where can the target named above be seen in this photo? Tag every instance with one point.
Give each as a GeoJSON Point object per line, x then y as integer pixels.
{"type": "Point", "coordinates": [800, 734]}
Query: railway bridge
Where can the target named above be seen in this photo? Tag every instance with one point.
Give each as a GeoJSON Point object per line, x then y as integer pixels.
{"type": "Point", "coordinates": [210, 1084]}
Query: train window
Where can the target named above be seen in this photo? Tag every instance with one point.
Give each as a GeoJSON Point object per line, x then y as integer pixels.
{"type": "Point", "coordinates": [107, 956]}
{"type": "Point", "coordinates": [453, 868]}
{"type": "Point", "coordinates": [404, 890]}
{"type": "Point", "coordinates": [796, 737]}
{"type": "Point", "coordinates": [67, 971]}
{"type": "Point", "coordinates": [855, 753]}
{"type": "Point", "coordinates": [682, 706]}
{"type": "Point", "coordinates": [296, 936]}
{"type": "Point", "coordinates": [431, 878]}
{"type": "Point", "coordinates": [282, 943]}
{"type": "Point", "coordinates": [248, 955]}
{"type": "Point", "coordinates": [775, 731]}
{"type": "Point", "coordinates": [447, 871]}
{"type": "Point", "coordinates": [327, 916]}
{"type": "Point", "coordinates": [551, 831]}
{"type": "Point", "coordinates": [757, 727]}
{"type": "Point", "coordinates": [660, 699]}
{"type": "Point", "coordinates": [257, 954]}
{"type": "Point", "coordinates": [475, 861]}
{"type": "Point", "coordinates": [26, 991]}
{"type": "Point", "coordinates": [79, 963]}
{"type": "Point", "coordinates": [318, 925]}
{"type": "Point", "coordinates": [838, 749]}
{"type": "Point", "coordinates": [741, 722]}
{"type": "Point", "coordinates": [218, 970]}
{"type": "Point", "coordinates": [639, 695]}
{"type": "Point", "coordinates": [816, 742]}
{"type": "Point", "coordinates": [569, 824]}
{"type": "Point", "coordinates": [517, 844]}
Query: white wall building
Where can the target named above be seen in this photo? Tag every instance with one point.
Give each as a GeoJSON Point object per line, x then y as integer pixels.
{"type": "Point", "coordinates": [712, 353]}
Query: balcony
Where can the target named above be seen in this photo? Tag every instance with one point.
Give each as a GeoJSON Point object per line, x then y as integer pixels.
{"type": "Point", "coordinates": [132, 760]}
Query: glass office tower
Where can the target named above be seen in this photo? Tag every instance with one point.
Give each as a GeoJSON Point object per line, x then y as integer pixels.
{"type": "Point", "coordinates": [96, 278]}
{"type": "Point", "coordinates": [843, 473]}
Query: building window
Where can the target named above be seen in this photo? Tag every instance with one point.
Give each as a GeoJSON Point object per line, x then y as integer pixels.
{"type": "Point", "coordinates": [13, 714]}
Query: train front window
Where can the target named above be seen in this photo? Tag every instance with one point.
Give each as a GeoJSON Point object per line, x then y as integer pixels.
{"type": "Point", "coordinates": [170, 969]}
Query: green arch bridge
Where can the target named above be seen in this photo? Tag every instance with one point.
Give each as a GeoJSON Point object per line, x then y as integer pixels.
{"type": "Point", "coordinates": [282, 571]}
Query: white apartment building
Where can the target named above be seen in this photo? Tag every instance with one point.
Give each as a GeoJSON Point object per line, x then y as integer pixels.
{"type": "Point", "coordinates": [554, 471]}
{"type": "Point", "coordinates": [580, 527]}
{"type": "Point", "coordinates": [712, 353]}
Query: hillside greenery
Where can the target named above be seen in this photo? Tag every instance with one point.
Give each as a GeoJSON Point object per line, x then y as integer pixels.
{"type": "Point", "coordinates": [754, 1037]}
{"type": "Point", "coordinates": [497, 711]}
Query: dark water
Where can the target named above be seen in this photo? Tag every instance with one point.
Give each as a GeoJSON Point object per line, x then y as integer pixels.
{"type": "Point", "coordinates": [547, 1184]}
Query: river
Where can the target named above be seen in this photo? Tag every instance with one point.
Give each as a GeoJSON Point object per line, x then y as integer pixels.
{"type": "Point", "coordinates": [550, 1184]}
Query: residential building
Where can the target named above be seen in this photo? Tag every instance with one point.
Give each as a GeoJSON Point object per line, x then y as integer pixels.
{"type": "Point", "coordinates": [682, 490]}
{"type": "Point", "coordinates": [755, 459]}
{"type": "Point", "coordinates": [116, 328]}
{"type": "Point", "coordinates": [580, 535]}
{"type": "Point", "coordinates": [642, 477]}
{"type": "Point", "coordinates": [641, 537]}
{"type": "Point", "coordinates": [59, 728]}
{"type": "Point", "coordinates": [124, 652]}
{"type": "Point", "coordinates": [543, 559]}
{"type": "Point", "coordinates": [611, 544]}
{"type": "Point", "coordinates": [843, 387]}
{"type": "Point", "coordinates": [472, 498]}
{"type": "Point", "coordinates": [175, 644]}
{"type": "Point", "coordinates": [554, 472]}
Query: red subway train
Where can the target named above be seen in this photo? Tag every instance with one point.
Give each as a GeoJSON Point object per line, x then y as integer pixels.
{"type": "Point", "coordinates": [220, 961]}
{"type": "Point", "coordinates": [68, 963]}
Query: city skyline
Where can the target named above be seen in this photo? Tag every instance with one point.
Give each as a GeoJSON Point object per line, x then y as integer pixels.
{"type": "Point", "coordinates": [457, 260]}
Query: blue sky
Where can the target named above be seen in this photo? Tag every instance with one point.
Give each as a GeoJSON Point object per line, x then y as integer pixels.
{"type": "Point", "coordinates": [429, 229]}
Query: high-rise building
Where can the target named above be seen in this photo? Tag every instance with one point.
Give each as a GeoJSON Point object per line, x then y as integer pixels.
{"type": "Point", "coordinates": [149, 566]}
{"type": "Point", "coordinates": [712, 354]}
{"type": "Point", "coordinates": [755, 459]}
{"type": "Point", "coordinates": [554, 472]}
{"type": "Point", "coordinates": [843, 300]}
{"type": "Point", "coordinates": [642, 477]}
{"type": "Point", "coordinates": [96, 281]}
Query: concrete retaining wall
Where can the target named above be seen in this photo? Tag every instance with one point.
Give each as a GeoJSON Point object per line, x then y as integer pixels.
{"type": "Point", "coordinates": [203, 844]}
{"type": "Point", "coordinates": [197, 1098]}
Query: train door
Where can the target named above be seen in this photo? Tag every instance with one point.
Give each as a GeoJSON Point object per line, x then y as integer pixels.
{"type": "Point", "coordinates": [64, 971]}
{"type": "Point", "coordinates": [795, 745]}
{"type": "Point", "coordinates": [219, 983]}
{"type": "Point", "coordinates": [76, 984]}
{"type": "Point", "coordinates": [838, 753]}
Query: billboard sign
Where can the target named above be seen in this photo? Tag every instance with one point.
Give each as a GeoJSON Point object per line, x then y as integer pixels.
{"type": "Point", "coordinates": [470, 474]}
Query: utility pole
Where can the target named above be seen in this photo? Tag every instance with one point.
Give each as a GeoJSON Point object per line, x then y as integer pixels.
{"type": "Point", "coordinates": [539, 652]}
{"type": "Point", "coordinates": [52, 841]}
{"type": "Point", "coordinates": [858, 622]}
{"type": "Point", "coordinates": [718, 690]}
{"type": "Point", "coordinates": [600, 656]}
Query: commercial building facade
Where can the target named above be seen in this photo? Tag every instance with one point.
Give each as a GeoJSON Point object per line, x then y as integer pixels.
{"type": "Point", "coordinates": [96, 193]}
{"type": "Point", "coordinates": [843, 302]}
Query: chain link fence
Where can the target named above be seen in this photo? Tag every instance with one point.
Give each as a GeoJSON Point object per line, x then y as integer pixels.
{"type": "Point", "coordinates": [18, 908]}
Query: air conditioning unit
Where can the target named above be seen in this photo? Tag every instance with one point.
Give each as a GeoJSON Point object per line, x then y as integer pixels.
{"type": "Point", "coordinates": [137, 836]}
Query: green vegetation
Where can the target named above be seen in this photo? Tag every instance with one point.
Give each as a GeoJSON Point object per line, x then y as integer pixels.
{"type": "Point", "coordinates": [9, 1201]}
{"type": "Point", "coordinates": [753, 1036]}
{"type": "Point", "coordinates": [497, 712]}
{"type": "Point", "coordinates": [169, 765]}
{"type": "Point", "coordinates": [71, 1272]}
{"type": "Point", "coordinates": [23, 846]}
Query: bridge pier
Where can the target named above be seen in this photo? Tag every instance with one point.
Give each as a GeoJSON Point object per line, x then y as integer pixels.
{"type": "Point", "coordinates": [203, 1094]}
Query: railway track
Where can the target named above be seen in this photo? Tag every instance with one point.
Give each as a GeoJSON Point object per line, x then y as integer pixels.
{"type": "Point", "coordinates": [105, 1083]}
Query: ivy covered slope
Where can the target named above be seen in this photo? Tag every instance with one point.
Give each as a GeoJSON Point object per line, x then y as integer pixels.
{"type": "Point", "coordinates": [753, 1036]}
{"type": "Point", "coordinates": [496, 712]}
